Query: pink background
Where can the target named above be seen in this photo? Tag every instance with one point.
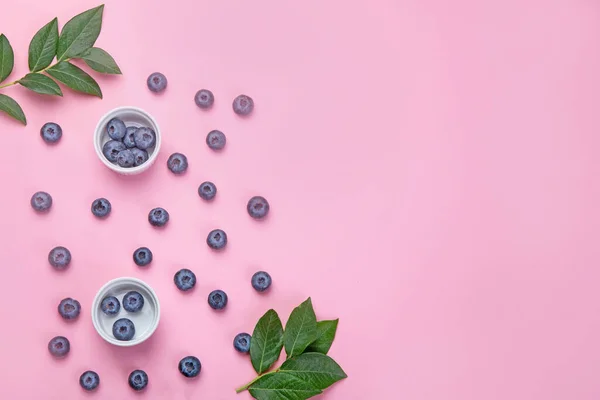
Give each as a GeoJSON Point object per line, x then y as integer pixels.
{"type": "Point", "coordinates": [433, 173]}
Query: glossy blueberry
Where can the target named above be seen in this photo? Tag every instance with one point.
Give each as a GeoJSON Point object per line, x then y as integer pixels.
{"type": "Point", "coordinates": [190, 366]}
{"type": "Point", "coordinates": [101, 207]}
{"type": "Point", "coordinates": [59, 346]}
{"type": "Point", "coordinates": [258, 207]}
{"type": "Point", "coordinates": [138, 380]}
{"type": "Point", "coordinates": [139, 156]}
{"type": "Point", "coordinates": [216, 239]}
{"type": "Point", "coordinates": [243, 105]}
{"type": "Point", "coordinates": [59, 257]}
{"type": "Point", "coordinates": [51, 132]}
{"type": "Point", "coordinates": [158, 217]}
{"type": "Point", "coordinates": [204, 98]}
{"type": "Point", "coordinates": [89, 380]}
{"type": "Point", "coordinates": [184, 279]}
{"type": "Point", "coordinates": [129, 138]}
{"type": "Point", "coordinates": [177, 163]}
{"type": "Point", "coordinates": [157, 82]}
{"type": "Point", "coordinates": [133, 301]}
{"type": "Point", "coordinates": [144, 138]}
{"type": "Point", "coordinates": [125, 158]}
{"type": "Point", "coordinates": [123, 329]}
{"type": "Point", "coordinates": [41, 201]}
{"type": "Point", "coordinates": [110, 305]}
{"type": "Point", "coordinates": [111, 150]}
{"type": "Point", "coordinates": [142, 256]}
{"type": "Point", "coordinates": [216, 140]}
{"type": "Point", "coordinates": [116, 129]}
{"type": "Point", "coordinates": [241, 342]}
{"type": "Point", "coordinates": [207, 190]}
{"type": "Point", "coordinates": [217, 299]}
{"type": "Point", "coordinates": [69, 308]}
{"type": "Point", "coordinates": [261, 281]}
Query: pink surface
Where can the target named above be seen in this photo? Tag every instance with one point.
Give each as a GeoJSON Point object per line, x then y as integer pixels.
{"type": "Point", "coordinates": [433, 173]}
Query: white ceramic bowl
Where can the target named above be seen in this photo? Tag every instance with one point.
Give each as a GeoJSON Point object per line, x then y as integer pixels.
{"type": "Point", "coordinates": [131, 116]}
{"type": "Point", "coordinates": [145, 320]}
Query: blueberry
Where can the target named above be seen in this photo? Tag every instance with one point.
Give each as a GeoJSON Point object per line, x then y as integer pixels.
{"type": "Point", "coordinates": [190, 366]}
{"type": "Point", "coordinates": [184, 279]}
{"type": "Point", "coordinates": [111, 150]}
{"type": "Point", "coordinates": [59, 257]}
{"type": "Point", "coordinates": [241, 342]}
{"type": "Point", "coordinates": [144, 138]}
{"type": "Point", "coordinates": [110, 305]}
{"type": "Point", "coordinates": [217, 239]}
{"type": "Point", "coordinates": [258, 207]}
{"type": "Point", "coordinates": [89, 380]}
{"type": "Point", "coordinates": [158, 217]}
{"type": "Point", "coordinates": [101, 207]}
{"type": "Point", "coordinates": [261, 281]}
{"type": "Point", "coordinates": [157, 82]}
{"type": "Point", "coordinates": [59, 346]}
{"type": "Point", "coordinates": [116, 129]}
{"type": "Point", "coordinates": [204, 98]}
{"type": "Point", "coordinates": [133, 301]}
{"type": "Point", "coordinates": [69, 308]}
{"type": "Point", "coordinates": [142, 256]}
{"type": "Point", "coordinates": [123, 329]}
{"type": "Point", "coordinates": [217, 299]}
{"type": "Point", "coordinates": [177, 163]}
{"type": "Point", "coordinates": [138, 380]}
{"type": "Point", "coordinates": [51, 132]}
{"type": "Point", "coordinates": [41, 201]}
{"type": "Point", "coordinates": [129, 138]}
{"type": "Point", "coordinates": [125, 158]}
{"type": "Point", "coordinates": [207, 190]}
{"type": "Point", "coordinates": [243, 105]}
{"type": "Point", "coordinates": [139, 156]}
{"type": "Point", "coordinates": [216, 140]}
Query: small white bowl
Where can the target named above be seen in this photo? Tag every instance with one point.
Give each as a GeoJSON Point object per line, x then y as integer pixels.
{"type": "Point", "coordinates": [131, 116]}
{"type": "Point", "coordinates": [145, 320]}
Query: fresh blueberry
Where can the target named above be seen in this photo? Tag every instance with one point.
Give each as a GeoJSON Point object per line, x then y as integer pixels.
{"type": "Point", "coordinates": [69, 308]}
{"type": "Point", "coordinates": [116, 129]}
{"type": "Point", "coordinates": [190, 366]}
{"type": "Point", "coordinates": [142, 256]}
{"type": "Point", "coordinates": [217, 299]}
{"type": "Point", "coordinates": [261, 281]}
{"type": "Point", "coordinates": [207, 191]}
{"type": "Point", "coordinates": [89, 380]}
{"type": "Point", "coordinates": [204, 98]}
{"type": "Point", "coordinates": [138, 380]}
{"type": "Point", "coordinates": [144, 138]}
{"type": "Point", "coordinates": [139, 156]}
{"type": "Point", "coordinates": [157, 82]}
{"type": "Point", "coordinates": [177, 163]}
{"type": "Point", "coordinates": [101, 207]}
{"type": "Point", "coordinates": [41, 201]}
{"type": "Point", "coordinates": [59, 346]}
{"type": "Point", "coordinates": [216, 239]}
{"type": "Point", "coordinates": [125, 158]}
{"type": "Point", "coordinates": [129, 138]}
{"type": "Point", "coordinates": [59, 257]}
{"type": "Point", "coordinates": [111, 150]}
{"type": "Point", "coordinates": [258, 207]}
{"type": "Point", "coordinates": [216, 140]}
{"type": "Point", "coordinates": [241, 342]}
{"type": "Point", "coordinates": [123, 329]}
{"type": "Point", "coordinates": [110, 305]}
{"type": "Point", "coordinates": [51, 132]}
{"type": "Point", "coordinates": [184, 279]}
{"type": "Point", "coordinates": [158, 217]}
{"type": "Point", "coordinates": [243, 105]}
{"type": "Point", "coordinates": [133, 301]}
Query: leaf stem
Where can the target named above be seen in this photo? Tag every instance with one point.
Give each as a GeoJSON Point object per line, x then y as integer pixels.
{"type": "Point", "coordinates": [38, 72]}
{"type": "Point", "coordinates": [8, 84]}
{"type": "Point", "coordinates": [247, 385]}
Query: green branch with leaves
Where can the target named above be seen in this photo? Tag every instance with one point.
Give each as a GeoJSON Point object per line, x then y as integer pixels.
{"type": "Point", "coordinates": [76, 41]}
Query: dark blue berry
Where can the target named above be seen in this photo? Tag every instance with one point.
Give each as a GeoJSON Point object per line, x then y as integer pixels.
{"type": "Point", "coordinates": [133, 301]}
{"type": "Point", "coordinates": [138, 380]}
{"type": "Point", "coordinates": [123, 329]}
{"type": "Point", "coordinates": [216, 239]}
{"type": "Point", "coordinates": [142, 256]}
{"type": "Point", "coordinates": [190, 366]}
{"type": "Point", "coordinates": [158, 217]}
{"type": "Point", "coordinates": [207, 191]}
{"type": "Point", "coordinates": [139, 156]}
{"type": "Point", "coordinates": [110, 305]}
{"type": "Point", "coordinates": [216, 140]}
{"type": "Point", "coordinates": [217, 299]}
{"type": "Point", "coordinates": [59, 257]}
{"type": "Point", "coordinates": [59, 346]}
{"type": "Point", "coordinates": [129, 138]}
{"type": "Point", "coordinates": [261, 281]}
{"type": "Point", "coordinates": [101, 207]}
{"type": "Point", "coordinates": [177, 163]}
{"type": "Point", "coordinates": [243, 105]}
{"type": "Point", "coordinates": [69, 308]}
{"type": "Point", "coordinates": [116, 129]}
{"type": "Point", "coordinates": [41, 201]}
{"type": "Point", "coordinates": [125, 158]}
{"type": "Point", "coordinates": [184, 279]}
{"type": "Point", "coordinates": [51, 132]}
{"type": "Point", "coordinates": [258, 207]}
{"type": "Point", "coordinates": [157, 82]}
{"type": "Point", "coordinates": [144, 138]}
{"type": "Point", "coordinates": [242, 342]}
{"type": "Point", "coordinates": [89, 380]}
{"type": "Point", "coordinates": [111, 150]}
{"type": "Point", "coordinates": [204, 98]}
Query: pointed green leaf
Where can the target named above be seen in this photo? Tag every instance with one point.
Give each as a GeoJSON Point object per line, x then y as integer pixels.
{"type": "Point", "coordinates": [42, 48]}
{"type": "Point", "coordinates": [279, 386]}
{"type": "Point", "coordinates": [80, 33]}
{"type": "Point", "coordinates": [325, 335]}
{"type": "Point", "coordinates": [318, 370]}
{"type": "Point", "coordinates": [100, 61]}
{"type": "Point", "coordinates": [40, 84]}
{"type": "Point", "coordinates": [74, 78]}
{"type": "Point", "coordinates": [12, 108]}
{"type": "Point", "coordinates": [7, 58]}
{"type": "Point", "coordinates": [267, 341]}
{"type": "Point", "coordinates": [300, 329]}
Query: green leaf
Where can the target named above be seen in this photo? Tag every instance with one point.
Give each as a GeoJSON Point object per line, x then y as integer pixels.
{"type": "Point", "coordinates": [7, 58]}
{"type": "Point", "coordinates": [300, 329]}
{"type": "Point", "coordinates": [325, 335]}
{"type": "Point", "coordinates": [80, 33]}
{"type": "Point", "coordinates": [42, 48]}
{"type": "Point", "coordinates": [40, 84]}
{"type": "Point", "coordinates": [318, 370]}
{"type": "Point", "coordinates": [74, 78]}
{"type": "Point", "coordinates": [100, 61]}
{"type": "Point", "coordinates": [267, 341]}
{"type": "Point", "coordinates": [12, 108]}
{"type": "Point", "coordinates": [279, 386]}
